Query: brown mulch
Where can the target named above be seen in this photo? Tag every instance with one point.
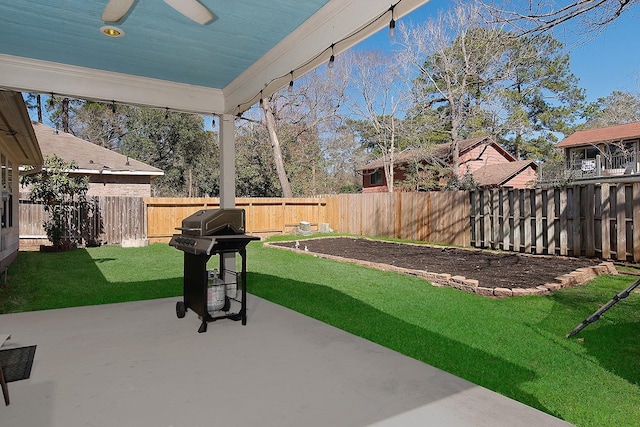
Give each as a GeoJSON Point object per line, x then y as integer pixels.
{"type": "Point", "coordinates": [492, 269]}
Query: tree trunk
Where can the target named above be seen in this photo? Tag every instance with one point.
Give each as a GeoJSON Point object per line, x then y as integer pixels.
{"type": "Point", "coordinates": [455, 149]}
{"type": "Point", "coordinates": [392, 147]}
{"type": "Point", "coordinates": [39, 107]}
{"type": "Point", "coordinates": [65, 115]}
{"type": "Point", "coordinates": [277, 152]}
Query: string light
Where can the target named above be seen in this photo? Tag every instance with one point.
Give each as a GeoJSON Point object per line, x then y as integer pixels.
{"type": "Point", "coordinates": [392, 24]}
{"type": "Point", "coordinates": [166, 113]}
{"type": "Point", "coordinates": [261, 100]}
{"type": "Point", "coordinates": [113, 106]}
{"type": "Point", "coordinates": [332, 59]}
{"type": "Point", "coordinates": [213, 120]}
{"type": "Point", "coordinates": [330, 65]}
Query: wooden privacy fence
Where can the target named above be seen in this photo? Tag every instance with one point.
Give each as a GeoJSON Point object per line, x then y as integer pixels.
{"type": "Point", "coordinates": [437, 217]}
{"type": "Point", "coordinates": [103, 220]}
{"type": "Point", "coordinates": [263, 215]}
{"type": "Point", "coordinates": [441, 217]}
{"type": "Point", "coordinates": [584, 220]}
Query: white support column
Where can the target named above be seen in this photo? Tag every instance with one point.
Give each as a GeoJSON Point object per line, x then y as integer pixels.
{"type": "Point", "coordinates": [228, 189]}
{"type": "Point", "coordinates": [227, 161]}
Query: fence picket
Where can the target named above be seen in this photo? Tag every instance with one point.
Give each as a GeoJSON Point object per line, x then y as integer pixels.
{"type": "Point", "coordinates": [517, 243]}
{"type": "Point", "coordinates": [506, 219]}
{"type": "Point", "coordinates": [635, 225]}
{"type": "Point", "coordinates": [538, 222]}
{"type": "Point", "coordinates": [606, 221]}
{"type": "Point", "coordinates": [590, 221]}
{"type": "Point", "coordinates": [551, 221]}
{"type": "Point", "coordinates": [621, 224]}
{"type": "Point", "coordinates": [564, 241]}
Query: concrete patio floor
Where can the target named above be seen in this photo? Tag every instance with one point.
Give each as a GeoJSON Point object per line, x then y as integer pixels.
{"type": "Point", "coordinates": [137, 364]}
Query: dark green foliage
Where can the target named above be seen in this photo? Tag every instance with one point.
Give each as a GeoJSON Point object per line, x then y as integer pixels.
{"type": "Point", "coordinates": [540, 95]}
{"type": "Point", "coordinates": [177, 144]}
{"type": "Point", "coordinates": [62, 194]}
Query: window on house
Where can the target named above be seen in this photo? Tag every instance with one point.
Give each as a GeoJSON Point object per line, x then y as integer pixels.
{"type": "Point", "coordinates": [583, 158]}
{"type": "Point", "coordinates": [376, 178]}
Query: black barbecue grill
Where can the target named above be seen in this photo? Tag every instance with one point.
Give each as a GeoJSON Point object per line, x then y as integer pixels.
{"type": "Point", "coordinates": [204, 234]}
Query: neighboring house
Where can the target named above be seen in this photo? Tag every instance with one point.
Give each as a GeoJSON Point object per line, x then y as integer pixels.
{"type": "Point", "coordinates": [489, 164]}
{"type": "Point", "coordinates": [609, 153]}
{"type": "Point", "coordinates": [110, 173]}
{"type": "Point", "coordinates": [18, 146]}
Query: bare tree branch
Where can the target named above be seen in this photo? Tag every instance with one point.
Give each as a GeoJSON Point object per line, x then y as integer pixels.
{"type": "Point", "coordinates": [538, 17]}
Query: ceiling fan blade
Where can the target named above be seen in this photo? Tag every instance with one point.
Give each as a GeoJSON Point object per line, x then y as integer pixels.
{"type": "Point", "coordinates": [192, 9]}
{"type": "Point", "coordinates": [116, 10]}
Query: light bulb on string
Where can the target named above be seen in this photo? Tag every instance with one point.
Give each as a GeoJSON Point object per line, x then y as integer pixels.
{"type": "Point", "coordinates": [332, 60]}
{"type": "Point", "coordinates": [290, 88]}
{"type": "Point", "coordinates": [392, 25]}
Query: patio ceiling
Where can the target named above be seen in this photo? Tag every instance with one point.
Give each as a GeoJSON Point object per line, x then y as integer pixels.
{"type": "Point", "coordinates": [16, 133]}
{"type": "Point", "coordinates": [165, 60]}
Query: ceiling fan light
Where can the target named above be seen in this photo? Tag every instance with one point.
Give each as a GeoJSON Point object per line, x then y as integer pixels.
{"type": "Point", "coordinates": [111, 31]}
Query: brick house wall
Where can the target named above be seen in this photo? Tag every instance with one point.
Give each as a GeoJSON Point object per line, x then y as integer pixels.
{"type": "Point", "coordinates": [112, 185]}
{"type": "Point", "coordinates": [119, 185]}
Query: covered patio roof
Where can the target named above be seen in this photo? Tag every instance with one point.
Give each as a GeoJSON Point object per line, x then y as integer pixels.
{"type": "Point", "coordinates": [166, 60]}
{"type": "Point", "coordinates": [16, 134]}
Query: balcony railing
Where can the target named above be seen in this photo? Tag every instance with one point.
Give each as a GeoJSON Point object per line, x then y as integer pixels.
{"type": "Point", "coordinates": [602, 166]}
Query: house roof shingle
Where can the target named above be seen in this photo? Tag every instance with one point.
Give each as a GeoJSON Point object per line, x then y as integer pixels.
{"type": "Point", "coordinates": [611, 133]}
{"type": "Point", "coordinates": [441, 151]}
{"type": "Point", "coordinates": [498, 174]}
{"type": "Point", "coordinates": [89, 157]}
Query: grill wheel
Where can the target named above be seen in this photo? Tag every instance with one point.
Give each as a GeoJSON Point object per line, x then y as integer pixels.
{"type": "Point", "coordinates": [181, 309]}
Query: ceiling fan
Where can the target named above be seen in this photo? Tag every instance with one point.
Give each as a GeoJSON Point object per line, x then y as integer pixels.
{"type": "Point", "coordinates": [192, 9]}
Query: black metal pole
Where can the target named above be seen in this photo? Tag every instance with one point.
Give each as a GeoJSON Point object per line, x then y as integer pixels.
{"type": "Point", "coordinates": [243, 277]}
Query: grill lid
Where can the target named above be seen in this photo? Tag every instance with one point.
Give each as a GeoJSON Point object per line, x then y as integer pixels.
{"type": "Point", "coordinates": [210, 222]}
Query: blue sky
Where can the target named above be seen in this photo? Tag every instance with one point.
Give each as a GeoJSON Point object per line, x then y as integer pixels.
{"type": "Point", "coordinates": [603, 62]}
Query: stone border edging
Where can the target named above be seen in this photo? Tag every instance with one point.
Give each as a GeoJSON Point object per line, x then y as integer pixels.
{"type": "Point", "coordinates": [575, 278]}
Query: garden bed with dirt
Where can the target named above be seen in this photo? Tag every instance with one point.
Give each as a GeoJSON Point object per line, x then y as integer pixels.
{"type": "Point", "coordinates": [489, 273]}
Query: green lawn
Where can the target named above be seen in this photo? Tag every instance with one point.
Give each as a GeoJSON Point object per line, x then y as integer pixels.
{"type": "Point", "coordinates": [514, 346]}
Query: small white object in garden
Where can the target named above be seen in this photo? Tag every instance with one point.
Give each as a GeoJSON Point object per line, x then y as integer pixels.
{"type": "Point", "coordinates": [306, 248]}
{"type": "Point", "coordinates": [297, 246]}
